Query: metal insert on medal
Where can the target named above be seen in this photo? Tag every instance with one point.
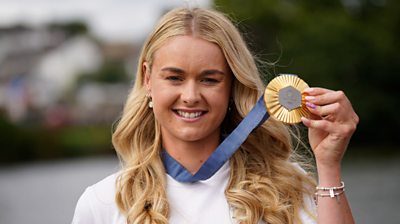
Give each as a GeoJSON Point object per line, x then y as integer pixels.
{"type": "Point", "coordinates": [284, 99]}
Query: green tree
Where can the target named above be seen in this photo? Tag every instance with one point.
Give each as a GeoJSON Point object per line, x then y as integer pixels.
{"type": "Point", "coordinates": [109, 72]}
{"type": "Point", "coordinates": [71, 28]}
{"type": "Point", "coordinates": [336, 45]}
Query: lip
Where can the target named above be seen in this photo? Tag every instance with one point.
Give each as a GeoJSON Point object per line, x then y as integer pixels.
{"type": "Point", "coordinates": [189, 114]}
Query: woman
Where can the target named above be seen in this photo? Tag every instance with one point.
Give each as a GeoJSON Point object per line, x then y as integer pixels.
{"type": "Point", "coordinates": [196, 81]}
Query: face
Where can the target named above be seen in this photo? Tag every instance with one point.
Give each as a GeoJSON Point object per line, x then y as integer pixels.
{"type": "Point", "coordinates": [190, 84]}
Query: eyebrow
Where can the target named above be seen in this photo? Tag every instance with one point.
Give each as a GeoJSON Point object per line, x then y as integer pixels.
{"type": "Point", "coordinates": [204, 72]}
{"type": "Point", "coordinates": [173, 70]}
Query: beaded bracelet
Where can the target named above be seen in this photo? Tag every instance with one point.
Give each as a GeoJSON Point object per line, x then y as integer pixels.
{"type": "Point", "coordinates": [331, 189]}
{"type": "Point", "coordinates": [331, 194]}
{"type": "Point", "coordinates": [341, 187]}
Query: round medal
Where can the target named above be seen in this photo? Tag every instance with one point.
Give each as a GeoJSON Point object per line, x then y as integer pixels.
{"type": "Point", "coordinates": [284, 99]}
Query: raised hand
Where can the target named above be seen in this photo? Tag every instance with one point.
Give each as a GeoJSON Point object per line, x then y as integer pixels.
{"type": "Point", "coordinates": [331, 125]}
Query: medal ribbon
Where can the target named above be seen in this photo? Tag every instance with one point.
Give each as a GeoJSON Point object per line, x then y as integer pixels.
{"type": "Point", "coordinates": [225, 150]}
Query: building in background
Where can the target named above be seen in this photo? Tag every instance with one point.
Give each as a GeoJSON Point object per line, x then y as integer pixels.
{"type": "Point", "coordinates": [40, 71]}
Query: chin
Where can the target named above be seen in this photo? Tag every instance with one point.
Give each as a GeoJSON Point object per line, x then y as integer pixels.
{"type": "Point", "coordinates": [191, 137]}
{"type": "Point", "coordinates": [185, 134]}
{"type": "Point", "coordinates": [197, 136]}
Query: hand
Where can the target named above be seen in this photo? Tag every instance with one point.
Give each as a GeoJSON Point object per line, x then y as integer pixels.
{"type": "Point", "coordinates": [331, 125]}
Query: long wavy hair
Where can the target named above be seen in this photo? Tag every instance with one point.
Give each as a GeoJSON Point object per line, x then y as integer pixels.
{"type": "Point", "coordinates": [263, 185]}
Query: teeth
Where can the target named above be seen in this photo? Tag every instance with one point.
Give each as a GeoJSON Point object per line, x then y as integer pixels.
{"type": "Point", "coordinates": [189, 115]}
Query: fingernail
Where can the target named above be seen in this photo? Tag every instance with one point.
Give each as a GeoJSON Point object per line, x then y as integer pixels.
{"type": "Point", "coordinates": [304, 119]}
{"type": "Point", "coordinates": [308, 90]}
{"type": "Point", "coordinates": [311, 105]}
{"type": "Point", "coordinates": [309, 98]}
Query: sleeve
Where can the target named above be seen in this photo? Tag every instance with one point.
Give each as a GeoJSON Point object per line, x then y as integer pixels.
{"type": "Point", "coordinates": [83, 211]}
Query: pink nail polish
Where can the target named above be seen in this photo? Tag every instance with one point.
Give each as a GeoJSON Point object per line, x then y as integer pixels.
{"type": "Point", "coordinates": [310, 98]}
{"type": "Point", "coordinates": [308, 90]}
{"type": "Point", "coordinates": [311, 105]}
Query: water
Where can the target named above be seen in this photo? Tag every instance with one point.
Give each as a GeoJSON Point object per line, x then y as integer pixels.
{"type": "Point", "coordinates": [46, 193]}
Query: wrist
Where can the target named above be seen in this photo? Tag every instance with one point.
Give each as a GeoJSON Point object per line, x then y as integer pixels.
{"type": "Point", "coordinates": [329, 175]}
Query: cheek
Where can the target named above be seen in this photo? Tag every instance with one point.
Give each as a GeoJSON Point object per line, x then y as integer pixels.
{"type": "Point", "coordinates": [162, 100]}
{"type": "Point", "coordinates": [219, 100]}
{"type": "Point", "coordinates": [158, 92]}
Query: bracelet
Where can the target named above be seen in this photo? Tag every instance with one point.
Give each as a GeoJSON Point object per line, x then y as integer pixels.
{"type": "Point", "coordinates": [331, 195]}
{"type": "Point", "coordinates": [341, 187]}
{"type": "Point", "coordinates": [331, 190]}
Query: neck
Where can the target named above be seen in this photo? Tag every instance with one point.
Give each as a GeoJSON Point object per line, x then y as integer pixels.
{"type": "Point", "coordinates": [191, 155]}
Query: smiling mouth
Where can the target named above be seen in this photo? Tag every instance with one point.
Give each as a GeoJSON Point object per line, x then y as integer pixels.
{"type": "Point", "coordinates": [189, 115]}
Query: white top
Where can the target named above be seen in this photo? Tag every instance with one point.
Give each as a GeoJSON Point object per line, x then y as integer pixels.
{"type": "Point", "coordinates": [190, 203]}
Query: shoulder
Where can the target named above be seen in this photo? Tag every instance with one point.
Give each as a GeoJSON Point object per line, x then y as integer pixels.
{"type": "Point", "coordinates": [102, 192]}
{"type": "Point", "coordinates": [97, 203]}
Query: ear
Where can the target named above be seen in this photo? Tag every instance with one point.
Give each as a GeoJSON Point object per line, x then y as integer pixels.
{"type": "Point", "coordinates": [146, 72]}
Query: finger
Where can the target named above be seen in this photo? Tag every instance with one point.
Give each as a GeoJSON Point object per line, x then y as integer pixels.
{"type": "Point", "coordinates": [329, 97]}
{"type": "Point", "coordinates": [334, 132]}
{"type": "Point", "coordinates": [313, 91]}
{"type": "Point", "coordinates": [318, 124]}
{"type": "Point", "coordinates": [323, 111]}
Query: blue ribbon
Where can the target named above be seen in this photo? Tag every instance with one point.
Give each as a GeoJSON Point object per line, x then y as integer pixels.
{"type": "Point", "coordinates": [225, 150]}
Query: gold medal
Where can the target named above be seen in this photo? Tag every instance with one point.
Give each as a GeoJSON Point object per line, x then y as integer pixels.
{"type": "Point", "coordinates": [284, 99]}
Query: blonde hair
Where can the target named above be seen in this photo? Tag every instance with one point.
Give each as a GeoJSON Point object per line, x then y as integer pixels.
{"type": "Point", "coordinates": [264, 184]}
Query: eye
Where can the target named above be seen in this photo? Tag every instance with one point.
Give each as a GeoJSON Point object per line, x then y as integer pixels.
{"type": "Point", "coordinates": [174, 78]}
{"type": "Point", "coordinates": [210, 80]}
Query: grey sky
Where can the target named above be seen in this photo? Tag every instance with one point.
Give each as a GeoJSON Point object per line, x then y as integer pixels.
{"type": "Point", "coordinates": [111, 20]}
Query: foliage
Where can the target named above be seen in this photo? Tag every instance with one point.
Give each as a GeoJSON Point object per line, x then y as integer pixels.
{"type": "Point", "coordinates": [348, 45]}
{"type": "Point", "coordinates": [32, 143]}
{"type": "Point", "coordinates": [109, 72]}
{"type": "Point", "coordinates": [72, 28]}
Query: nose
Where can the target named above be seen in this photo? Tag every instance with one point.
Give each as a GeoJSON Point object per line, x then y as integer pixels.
{"type": "Point", "coordinates": [191, 93]}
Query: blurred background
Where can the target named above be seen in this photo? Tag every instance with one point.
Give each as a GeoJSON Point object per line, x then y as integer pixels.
{"type": "Point", "coordinates": [66, 69]}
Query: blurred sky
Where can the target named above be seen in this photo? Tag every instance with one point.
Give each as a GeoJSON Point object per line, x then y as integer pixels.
{"type": "Point", "coordinates": [110, 20]}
